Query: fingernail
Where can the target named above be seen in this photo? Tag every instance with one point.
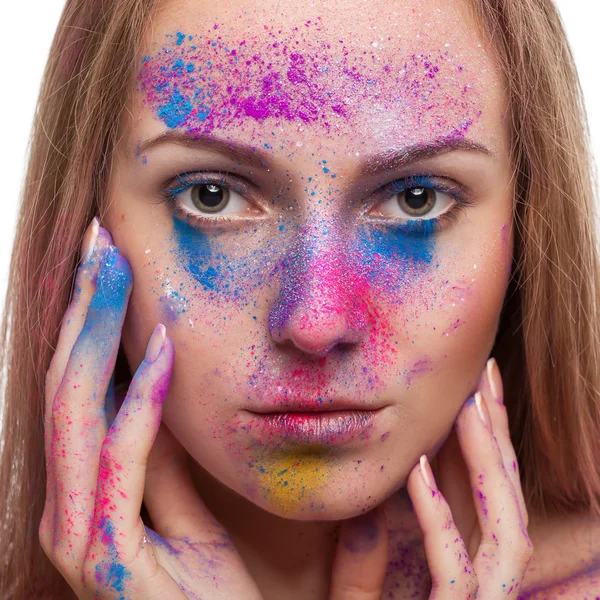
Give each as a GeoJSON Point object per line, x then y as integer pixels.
{"type": "Point", "coordinates": [483, 412]}
{"type": "Point", "coordinates": [156, 343]}
{"type": "Point", "coordinates": [89, 240]}
{"type": "Point", "coordinates": [427, 473]}
{"type": "Point", "coordinates": [495, 380]}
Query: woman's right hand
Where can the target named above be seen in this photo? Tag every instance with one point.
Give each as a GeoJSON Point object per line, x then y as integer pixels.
{"type": "Point", "coordinates": [91, 528]}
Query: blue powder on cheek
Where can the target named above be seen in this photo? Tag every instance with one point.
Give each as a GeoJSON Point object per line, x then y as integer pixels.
{"type": "Point", "coordinates": [398, 246]}
{"type": "Point", "coordinates": [196, 255]}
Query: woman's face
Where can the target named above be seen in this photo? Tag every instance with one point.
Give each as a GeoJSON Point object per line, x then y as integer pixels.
{"type": "Point", "coordinates": [315, 199]}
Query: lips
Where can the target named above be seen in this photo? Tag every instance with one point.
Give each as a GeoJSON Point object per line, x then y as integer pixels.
{"type": "Point", "coordinates": [304, 423]}
{"type": "Point", "coordinates": [293, 404]}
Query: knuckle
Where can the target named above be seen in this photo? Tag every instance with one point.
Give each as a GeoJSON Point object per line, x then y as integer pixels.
{"type": "Point", "coordinates": [60, 415]}
{"type": "Point", "coordinates": [521, 552]}
{"type": "Point", "coordinates": [527, 549]}
{"type": "Point", "coordinates": [107, 461]}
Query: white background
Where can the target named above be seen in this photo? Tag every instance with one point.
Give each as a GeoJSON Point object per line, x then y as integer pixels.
{"type": "Point", "coordinates": [25, 40]}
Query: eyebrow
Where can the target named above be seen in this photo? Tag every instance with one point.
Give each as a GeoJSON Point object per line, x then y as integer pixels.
{"type": "Point", "coordinates": [370, 165]}
{"type": "Point", "coordinates": [238, 152]}
{"type": "Point", "coordinates": [398, 157]}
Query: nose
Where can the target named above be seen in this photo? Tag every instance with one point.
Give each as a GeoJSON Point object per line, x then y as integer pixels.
{"type": "Point", "coordinates": [322, 302]}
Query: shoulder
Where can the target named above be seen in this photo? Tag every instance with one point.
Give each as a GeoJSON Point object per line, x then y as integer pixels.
{"type": "Point", "coordinates": [566, 560]}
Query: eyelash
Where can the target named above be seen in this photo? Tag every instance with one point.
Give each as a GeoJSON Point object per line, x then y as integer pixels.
{"type": "Point", "coordinates": [424, 227]}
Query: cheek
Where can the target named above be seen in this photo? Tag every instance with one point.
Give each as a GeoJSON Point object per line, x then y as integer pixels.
{"type": "Point", "coordinates": [415, 304]}
{"type": "Point", "coordinates": [453, 315]}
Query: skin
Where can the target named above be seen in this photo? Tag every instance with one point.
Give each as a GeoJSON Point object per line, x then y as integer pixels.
{"type": "Point", "coordinates": [92, 531]}
{"type": "Point", "coordinates": [311, 291]}
{"type": "Point", "coordinates": [435, 325]}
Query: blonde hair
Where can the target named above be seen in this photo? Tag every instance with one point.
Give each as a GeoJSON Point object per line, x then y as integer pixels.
{"type": "Point", "coordinates": [547, 346]}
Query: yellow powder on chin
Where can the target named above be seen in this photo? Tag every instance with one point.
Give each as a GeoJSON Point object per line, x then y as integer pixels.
{"type": "Point", "coordinates": [290, 479]}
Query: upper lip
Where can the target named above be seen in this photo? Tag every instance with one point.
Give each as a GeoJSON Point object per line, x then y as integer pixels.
{"type": "Point", "coordinates": [305, 406]}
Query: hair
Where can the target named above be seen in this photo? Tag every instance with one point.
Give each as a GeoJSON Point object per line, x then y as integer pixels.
{"type": "Point", "coordinates": [547, 344]}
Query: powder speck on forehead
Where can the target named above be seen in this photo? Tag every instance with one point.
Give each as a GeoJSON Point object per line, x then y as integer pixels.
{"type": "Point", "coordinates": [203, 81]}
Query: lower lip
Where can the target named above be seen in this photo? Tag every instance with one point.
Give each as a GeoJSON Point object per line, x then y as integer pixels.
{"type": "Point", "coordinates": [334, 427]}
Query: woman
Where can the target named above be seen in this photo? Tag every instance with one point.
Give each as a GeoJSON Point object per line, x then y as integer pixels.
{"type": "Point", "coordinates": [334, 217]}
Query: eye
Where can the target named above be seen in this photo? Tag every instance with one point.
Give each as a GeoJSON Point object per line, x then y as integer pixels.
{"type": "Point", "coordinates": [417, 202]}
{"type": "Point", "coordinates": [210, 199]}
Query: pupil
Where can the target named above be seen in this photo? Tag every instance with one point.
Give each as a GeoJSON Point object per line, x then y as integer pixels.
{"type": "Point", "coordinates": [416, 197]}
{"type": "Point", "coordinates": [211, 195]}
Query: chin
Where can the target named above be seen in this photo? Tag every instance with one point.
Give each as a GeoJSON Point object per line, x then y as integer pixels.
{"type": "Point", "coordinates": [311, 486]}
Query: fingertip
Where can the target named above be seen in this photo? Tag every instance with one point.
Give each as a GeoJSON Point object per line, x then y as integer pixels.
{"type": "Point", "coordinates": [121, 264]}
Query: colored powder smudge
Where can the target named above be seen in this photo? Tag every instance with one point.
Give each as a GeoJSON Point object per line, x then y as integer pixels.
{"type": "Point", "coordinates": [195, 254]}
{"type": "Point", "coordinates": [112, 575]}
{"type": "Point", "coordinates": [202, 83]}
{"type": "Point", "coordinates": [290, 480]}
{"type": "Point", "coordinates": [412, 251]}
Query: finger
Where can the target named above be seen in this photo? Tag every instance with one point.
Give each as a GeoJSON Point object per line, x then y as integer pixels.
{"type": "Point", "coordinates": [452, 478]}
{"type": "Point", "coordinates": [360, 558]}
{"type": "Point", "coordinates": [94, 245]}
{"type": "Point", "coordinates": [78, 412]}
{"type": "Point", "coordinates": [491, 388]}
{"type": "Point", "coordinates": [118, 530]}
{"type": "Point", "coordinates": [505, 546]}
{"type": "Point", "coordinates": [170, 496]}
{"type": "Point", "coordinates": [451, 571]}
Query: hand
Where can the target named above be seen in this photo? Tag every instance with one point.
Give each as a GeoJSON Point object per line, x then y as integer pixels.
{"type": "Point", "coordinates": [97, 475]}
{"type": "Point", "coordinates": [475, 524]}
{"type": "Point", "coordinates": [91, 527]}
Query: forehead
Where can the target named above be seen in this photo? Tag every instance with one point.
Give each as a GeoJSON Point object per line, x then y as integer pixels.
{"type": "Point", "coordinates": [353, 71]}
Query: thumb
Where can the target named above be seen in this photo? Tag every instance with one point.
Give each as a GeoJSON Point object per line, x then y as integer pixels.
{"type": "Point", "coordinates": [360, 560]}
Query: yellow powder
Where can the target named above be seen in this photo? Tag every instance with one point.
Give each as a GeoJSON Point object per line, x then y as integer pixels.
{"type": "Point", "coordinates": [289, 479]}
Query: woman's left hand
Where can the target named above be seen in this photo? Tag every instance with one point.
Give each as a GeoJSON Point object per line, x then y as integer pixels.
{"type": "Point", "coordinates": [479, 478]}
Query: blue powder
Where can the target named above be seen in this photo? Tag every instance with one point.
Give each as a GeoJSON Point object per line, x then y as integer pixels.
{"type": "Point", "coordinates": [177, 111]}
{"type": "Point", "coordinates": [113, 575]}
{"type": "Point", "coordinates": [412, 241]}
{"type": "Point", "coordinates": [116, 577]}
{"type": "Point", "coordinates": [108, 303]}
{"type": "Point", "coordinates": [196, 255]}
{"type": "Point", "coordinates": [180, 38]}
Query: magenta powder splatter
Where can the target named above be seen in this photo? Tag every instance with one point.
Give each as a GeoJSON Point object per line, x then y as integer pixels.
{"type": "Point", "coordinates": [201, 83]}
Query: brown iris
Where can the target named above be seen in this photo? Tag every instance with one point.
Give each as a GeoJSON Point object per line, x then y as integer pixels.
{"type": "Point", "coordinates": [210, 197]}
